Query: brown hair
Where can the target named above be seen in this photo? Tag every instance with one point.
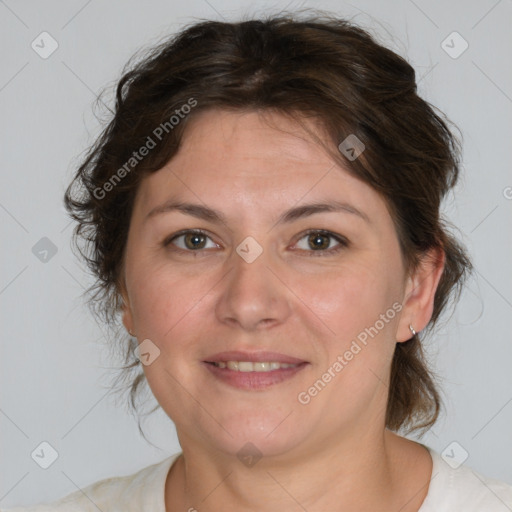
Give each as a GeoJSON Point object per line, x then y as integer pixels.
{"type": "Point", "coordinates": [323, 68]}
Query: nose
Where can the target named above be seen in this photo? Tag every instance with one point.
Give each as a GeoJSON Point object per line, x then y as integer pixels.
{"type": "Point", "coordinates": [253, 297]}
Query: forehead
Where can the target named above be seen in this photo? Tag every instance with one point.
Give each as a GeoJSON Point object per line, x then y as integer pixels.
{"type": "Point", "coordinates": [228, 132]}
{"type": "Point", "coordinates": [249, 160]}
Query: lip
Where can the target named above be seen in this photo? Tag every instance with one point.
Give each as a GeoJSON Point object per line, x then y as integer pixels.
{"type": "Point", "coordinates": [255, 357]}
{"type": "Point", "coordinates": [254, 381]}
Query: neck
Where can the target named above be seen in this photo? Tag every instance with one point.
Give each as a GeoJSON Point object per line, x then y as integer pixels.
{"type": "Point", "coordinates": [370, 472]}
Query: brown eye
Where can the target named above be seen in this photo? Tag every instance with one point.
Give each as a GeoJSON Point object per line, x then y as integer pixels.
{"type": "Point", "coordinates": [319, 241]}
{"type": "Point", "coordinates": [189, 241]}
{"type": "Point", "coordinates": [194, 241]}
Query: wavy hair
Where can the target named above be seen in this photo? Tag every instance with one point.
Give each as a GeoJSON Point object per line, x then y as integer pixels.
{"type": "Point", "coordinates": [320, 67]}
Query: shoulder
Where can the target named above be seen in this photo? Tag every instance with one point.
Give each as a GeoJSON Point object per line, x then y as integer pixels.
{"type": "Point", "coordinates": [454, 487]}
{"type": "Point", "coordinates": [143, 490]}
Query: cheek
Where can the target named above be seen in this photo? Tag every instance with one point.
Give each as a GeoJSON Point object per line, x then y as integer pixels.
{"type": "Point", "coordinates": [352, 297]}
{"type": "Point", "coordinates": [167, 310]}
{"type": "Point", "coordinates": [359, 304]}
{"type": "Point", "coordinates": [162, 300]}
{"type": "Point", "coordinates": [158, 296]}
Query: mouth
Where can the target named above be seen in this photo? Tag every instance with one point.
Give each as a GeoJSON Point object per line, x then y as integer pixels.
{"type": "Point", "coordinates": [253, 371]}
{"type": "Point", "coordinates": [250, 366]}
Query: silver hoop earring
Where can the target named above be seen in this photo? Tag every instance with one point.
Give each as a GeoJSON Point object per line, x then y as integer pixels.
{"type": "Point", "coordinates": [131, 334]}
{"type": "Point", "coordinates": [411, 328]}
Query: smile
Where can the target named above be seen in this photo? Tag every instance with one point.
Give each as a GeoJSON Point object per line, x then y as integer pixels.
{"type": "Point", "coordinates": [250, 366]}
{"type": "Point", "coordinates": [253, 376]}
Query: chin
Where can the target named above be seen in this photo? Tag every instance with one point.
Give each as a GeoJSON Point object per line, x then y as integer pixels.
{"type": "Point", "coordinates": [266, 434]}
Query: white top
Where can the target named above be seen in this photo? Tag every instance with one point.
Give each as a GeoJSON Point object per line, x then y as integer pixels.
{"type": "Point", "coordinates": [450, 490]}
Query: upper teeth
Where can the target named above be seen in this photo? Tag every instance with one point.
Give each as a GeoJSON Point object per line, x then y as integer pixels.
{"type": "Point", "coordinates": [249, 366]}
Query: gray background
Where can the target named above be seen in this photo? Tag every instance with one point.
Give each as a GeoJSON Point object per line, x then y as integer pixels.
{"type": "Point", "coordinates": [54, 378]}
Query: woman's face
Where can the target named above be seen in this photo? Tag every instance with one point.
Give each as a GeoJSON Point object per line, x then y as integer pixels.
{"type": "Point", "coordinates": [259, 283]}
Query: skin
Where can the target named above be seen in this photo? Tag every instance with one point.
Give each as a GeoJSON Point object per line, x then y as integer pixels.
{"type": "Point", "coordinates": [334, 450]}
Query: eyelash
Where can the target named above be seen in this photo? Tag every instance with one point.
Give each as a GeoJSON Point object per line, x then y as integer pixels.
{"type": "Point", "coordinates": [343, 242]}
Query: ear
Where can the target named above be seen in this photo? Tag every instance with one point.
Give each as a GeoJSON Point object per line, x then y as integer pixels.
{"type": "Point", "coordinates": [128, 319]}
{"type": "Point", "coordinates": [126, 308]}
{"type": "Point", "coordinates": [421, 286]}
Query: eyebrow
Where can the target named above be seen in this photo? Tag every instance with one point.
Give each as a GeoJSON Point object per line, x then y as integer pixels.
{"type": "Point", "coordinates": [291, 215]}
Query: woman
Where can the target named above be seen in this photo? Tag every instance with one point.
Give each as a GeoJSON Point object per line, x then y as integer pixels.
{"type": "Point", "coordinates": [262, 213]}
